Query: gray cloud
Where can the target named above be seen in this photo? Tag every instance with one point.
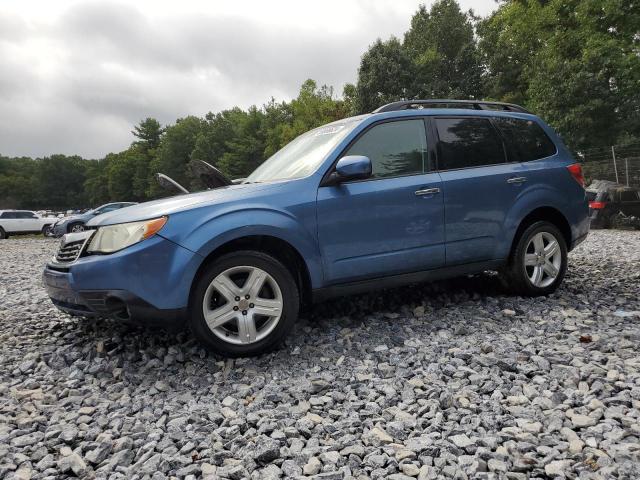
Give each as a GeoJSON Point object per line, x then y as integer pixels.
{"type": "Point", "coordinates": [78, 84]}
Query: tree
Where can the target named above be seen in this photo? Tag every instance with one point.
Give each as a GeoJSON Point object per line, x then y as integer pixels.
{"type": "Point", "coordinates": [574, 62]}
{"type": "Point", "coordinates": [174, 153]}
{"type": "Point", "coordinates": [385, 75]}
{"type": "Point", "coordinates": [510, 39]}
{"type": "Point", "coordinates": [442, 48]}
{"type": "Point", "coordinates": [59, 182]}
{"type": "Point", "coordinates": [149, 132]}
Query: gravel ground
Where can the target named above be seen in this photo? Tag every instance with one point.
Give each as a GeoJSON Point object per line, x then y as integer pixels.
{"type": "Point", "coordinates": [448, 380]}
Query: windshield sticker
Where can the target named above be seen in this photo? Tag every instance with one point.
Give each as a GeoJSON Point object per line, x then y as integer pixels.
{"type": "Point", "coordinates": [330, 130]}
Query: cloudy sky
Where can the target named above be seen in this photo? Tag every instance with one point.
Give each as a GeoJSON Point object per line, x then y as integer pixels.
{"type": "Point", "coordinates": [76, 75]}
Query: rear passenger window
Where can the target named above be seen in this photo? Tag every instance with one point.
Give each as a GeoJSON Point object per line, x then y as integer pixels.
{"type": "Point", "coordinates": [395, 148]}
{"type": "Point", "coordinates": [525, 139]}
{"type": "Point", "coordinates": [467, 142]}
{"type": "Point", "coordinates": [628, 196]}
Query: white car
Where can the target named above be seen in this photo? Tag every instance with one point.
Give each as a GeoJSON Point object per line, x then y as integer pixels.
{"type": "Point", "coordinates": [20, 222]}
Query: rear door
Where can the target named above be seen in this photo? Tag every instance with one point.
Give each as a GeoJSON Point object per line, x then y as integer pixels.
{"type": "Point", "coordinates": [479, 186]}
{"type": "Point", "coordinates": [30, 222]}
{"type": "Point", "coordinates": [390, 223]}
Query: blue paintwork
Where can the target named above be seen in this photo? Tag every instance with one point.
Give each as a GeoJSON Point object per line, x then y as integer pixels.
{"type": "Point", "coordinates": [353, 167]}
{"type": "Point", "coordinates": [352, 231]}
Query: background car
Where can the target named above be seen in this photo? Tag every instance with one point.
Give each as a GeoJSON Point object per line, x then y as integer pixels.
{"type": "Point", "coordinates": [76, 223]}
{"type": "Point", "coordinates": [21, 222]}
{"type": "Point", "coordinates": [607, 199]}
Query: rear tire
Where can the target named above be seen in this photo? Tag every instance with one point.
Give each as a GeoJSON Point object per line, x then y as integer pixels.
{"type": "Point", "coordinates": [3, 234]}
{"type": "Point", "coordinates": [75, 227]}
{"type": "Point", "coordinates": [46, 230]}
{"type": "Point", "coordinates": [538, 262]}
{"type": "Point", "coordinates": [251, 302]}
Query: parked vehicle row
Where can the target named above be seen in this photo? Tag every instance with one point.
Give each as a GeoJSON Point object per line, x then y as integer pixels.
{"type": "Point", "coordinates": [76, 223]}
{"type": "Point", "coordinates": [415, 191]}
{"type": "Point", "coordinates": [22, 222]}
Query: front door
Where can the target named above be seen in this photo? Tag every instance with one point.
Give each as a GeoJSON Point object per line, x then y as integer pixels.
{"type": "Point", "coordinates": [390, 223]}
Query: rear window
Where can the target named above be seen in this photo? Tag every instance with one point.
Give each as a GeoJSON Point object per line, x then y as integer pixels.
{"type": "Point", "coordinates": [525, 139]}
{"type": "Point", "coordinates": [467, 142]}
{"type": "Point", "coordinates": [628, 196]}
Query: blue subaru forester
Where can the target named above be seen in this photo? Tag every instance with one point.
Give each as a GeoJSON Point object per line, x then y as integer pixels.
{"type": "Point", "coordinates": [417, 190]}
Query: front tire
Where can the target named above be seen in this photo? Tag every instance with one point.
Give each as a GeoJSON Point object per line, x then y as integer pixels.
{"type": "Point", "coordinates": [538, 262]}
{"type": "Point", "coordinates": [76, 227]}
{"type": "Point", "coordinates": [244, 304]}
{"type": "Point", "coordinates": [3, 234]}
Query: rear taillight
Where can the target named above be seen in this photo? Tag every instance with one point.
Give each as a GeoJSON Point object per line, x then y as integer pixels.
{"type": "Point", "coordinates": [597, 205]}
{"type": "Point", "coordinates": [576, 172]}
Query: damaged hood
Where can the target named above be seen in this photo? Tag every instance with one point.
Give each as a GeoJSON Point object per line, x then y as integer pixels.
{"type": "Point", "coordinates": [167, 206]}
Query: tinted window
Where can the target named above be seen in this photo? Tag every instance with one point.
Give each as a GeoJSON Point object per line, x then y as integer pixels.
{"type": "Point", "coordinates": [628, 196]}
{"type": "Point", "coordinates": [468, 142]}
{"type": "Point", "coordinates": [525, 139]}
{"type": "Point", "coordinates": [7, 215]}
{"type": "Point", "coordinates": [24, 215]}
{"type": "Point", "coordinates": [395, 148]}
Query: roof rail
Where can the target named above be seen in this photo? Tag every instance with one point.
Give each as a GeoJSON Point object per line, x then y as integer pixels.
{"type": "Point", "coordinates": [446, 103]}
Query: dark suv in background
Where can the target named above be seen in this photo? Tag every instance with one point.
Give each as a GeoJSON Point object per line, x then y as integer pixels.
{"type": "Point", "coordinates": [608, 200]}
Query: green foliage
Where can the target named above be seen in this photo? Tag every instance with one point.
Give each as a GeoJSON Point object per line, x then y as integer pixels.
{"type": "Point", "coordinates": [576, 63]}
{"type": "Point", "coordinates": [385, 75]}
{"type": "Point", "coordinates": [59, 182]}
{"type": "Point", "coordinates": [174, 152]}
{"type": "Point", "coordinates": [442, 48]}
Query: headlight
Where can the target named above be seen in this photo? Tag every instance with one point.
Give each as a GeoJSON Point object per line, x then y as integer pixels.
{"type": "Point", "coordinates": [112, 238]}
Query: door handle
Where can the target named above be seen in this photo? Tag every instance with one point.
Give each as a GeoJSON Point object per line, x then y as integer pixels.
{"type": "Point", "coordinates": [427, 191]}
{"type": "Point", "coordinates": [517, 180]}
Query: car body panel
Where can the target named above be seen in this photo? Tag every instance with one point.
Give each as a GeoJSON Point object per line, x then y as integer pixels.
{"type": "Point", "coordinates": [157, 270]}
{"type": "Point", "coordinates": [380, 227]}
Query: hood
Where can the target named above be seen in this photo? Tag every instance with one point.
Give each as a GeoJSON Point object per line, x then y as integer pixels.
{"type": "Point", "coordinates": [167, 206]}
{"type": "Point", "coordinates": [81, 217]}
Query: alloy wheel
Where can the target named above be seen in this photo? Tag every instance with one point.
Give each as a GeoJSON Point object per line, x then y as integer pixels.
{"type": "Point", "coordinates": [242, 305]}
{"type": "Point", "coordinates": [542, 259]}
{"type": "Point", "coordinates": [77, 228]}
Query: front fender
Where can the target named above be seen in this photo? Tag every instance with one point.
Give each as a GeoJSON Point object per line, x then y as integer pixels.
{"type": "Point", "coordinates": [204, 231]}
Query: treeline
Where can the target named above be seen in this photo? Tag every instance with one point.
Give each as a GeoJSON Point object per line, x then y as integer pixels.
{"type": "Point", "coordinates": [574, 62]}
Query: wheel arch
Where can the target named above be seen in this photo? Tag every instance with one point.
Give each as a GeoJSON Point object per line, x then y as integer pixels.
{"type": "Point", "coordinates": [274, 246]}
{"type": "Point", "coordinates": [548, 214]}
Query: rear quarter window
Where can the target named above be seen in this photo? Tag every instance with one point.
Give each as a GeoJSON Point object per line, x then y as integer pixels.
{"type": "Point", "coordinates": [525, 139]}
{"type": "Point", "coordinates": [628, 196]}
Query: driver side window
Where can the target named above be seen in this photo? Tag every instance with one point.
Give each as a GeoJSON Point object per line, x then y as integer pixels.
{"type": "Point", "coordinates": [396, 148]}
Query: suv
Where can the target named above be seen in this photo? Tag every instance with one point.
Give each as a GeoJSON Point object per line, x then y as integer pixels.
{"type": "Point", "coordinates": [76, 223]}
{"type": "Point", "coordinates": [21, 222]}
{"type": "Point", "coordinates": [414, 191]}
{"type": "Point", "coordinates": [609, 199]}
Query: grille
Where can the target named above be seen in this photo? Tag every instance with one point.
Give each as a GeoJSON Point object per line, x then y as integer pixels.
{"type": "Point", "coordinates": [70, 251]}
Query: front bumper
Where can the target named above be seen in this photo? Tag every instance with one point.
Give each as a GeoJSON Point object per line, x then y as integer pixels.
{"type": "Point", "coordinates": [59, 230]}
{"type": "Point", "coordinates": [148, 282]}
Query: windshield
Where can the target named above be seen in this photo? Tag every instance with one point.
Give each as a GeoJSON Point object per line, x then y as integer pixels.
{"type": "Point", "coordinates": [303, 155]}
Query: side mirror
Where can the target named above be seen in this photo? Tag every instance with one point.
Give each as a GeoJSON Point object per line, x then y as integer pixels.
{"type": "Point", "coordinates": [352, 167]}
